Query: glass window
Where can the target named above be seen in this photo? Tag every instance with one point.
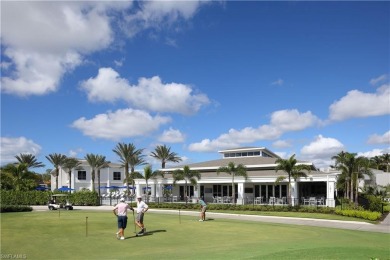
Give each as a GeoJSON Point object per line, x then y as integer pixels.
{"type": "Point", "coordinates": [117, 176]}
{"type": "Point", "coordinates": [256, 153]}
{"type": "Point", "coordinates": [250, 154]}
{"type": "Point", "coordinates": [82, 175]}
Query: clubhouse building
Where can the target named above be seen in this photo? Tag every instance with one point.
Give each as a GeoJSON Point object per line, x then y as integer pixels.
{"type": "Point", "coordinates": [258, 188]}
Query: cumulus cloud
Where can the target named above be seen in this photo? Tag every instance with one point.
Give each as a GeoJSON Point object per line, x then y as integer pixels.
{"type": "Point", "coordinates": [150, 93]}
{"type": "Point", "coordinates": [10, 147]}
{"type": "Point", "coordinates": [281, 122]}
{"type": "Point", "coordinates": [122, 123]}
{"type": "Point", "coordinates": [172, 136]}
{"type": "Point", "coordinates": [44, 40]}
{"type": "Point", "coordinates": [374, 152]}
{"type": "Point", "coordinates": [160, 15]}
{"type": "Point", "coordinates": [379, 139]}
{"type": "Point", "coordinates": [321, 150]}
{"type": "Point", "coordinates": [322, 147]}
{"type": "Point", "coordinates": [360, 104]}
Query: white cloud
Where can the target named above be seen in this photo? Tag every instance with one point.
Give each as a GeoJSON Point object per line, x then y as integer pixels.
{"type": "Point", "coordinates": [374, 152]}
{"type": "Point", "coordinates": [281, 122]}
{"type": "Point", "coordinates": [10, 147]}
{"type": "Point", "coordinates": [379, 79]}
{"type": "Point", "coordinates": [322, 147]}
{"type": "Point", "coordinates": [379, 139]}
{"type": "Point", "coordinates": [360, 104]}
{"type": "Point", "coordinates": [278, 82]}
{"type": "Point", "coordinates": [172, 136]}
{"type": "Point", "coordinates": [160, 15]}
{"type": "Point", "coordinates": [44, 40]}
{"type": "Point", "coordinates": [321, 150]}
{"type": "Point", "coordinates": [120, 124]}
{"type": "Point", "coordinates": [150, 93]}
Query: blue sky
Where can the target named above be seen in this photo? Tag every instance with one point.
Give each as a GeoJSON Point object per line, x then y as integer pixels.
{"type": "Point", "coordinates": [300, 77]}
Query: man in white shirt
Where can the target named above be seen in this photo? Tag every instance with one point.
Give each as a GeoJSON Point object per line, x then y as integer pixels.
{"type": "Point", "coordinates": [142, 207]}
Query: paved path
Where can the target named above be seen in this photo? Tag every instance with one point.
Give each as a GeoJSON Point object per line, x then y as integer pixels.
{"type": "Point", "coordinates": [383, 227]}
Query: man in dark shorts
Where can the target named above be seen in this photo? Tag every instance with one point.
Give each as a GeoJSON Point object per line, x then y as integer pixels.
{"type": "Point", "coordinates": [203, 208]}
{"type": "Point", "coordinates": [120, 210]}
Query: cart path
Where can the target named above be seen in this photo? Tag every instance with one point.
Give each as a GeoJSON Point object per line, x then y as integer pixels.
{"type": "Point", "coordinates": [383, 227]}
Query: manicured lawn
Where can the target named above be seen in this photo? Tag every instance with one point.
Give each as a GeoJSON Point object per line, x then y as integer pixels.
{"type": "Point", "coordinates": [50, 235]}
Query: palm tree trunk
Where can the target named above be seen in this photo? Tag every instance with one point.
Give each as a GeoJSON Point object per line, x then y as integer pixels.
{"type": "Point", "coordinates": [98, 176]}
{"type": "Point", "coordinates": [233, 190]}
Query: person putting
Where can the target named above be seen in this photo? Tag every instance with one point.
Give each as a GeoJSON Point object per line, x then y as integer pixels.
{"type": "Point", "coordinates": [120, 210]}
{"type": "Point", "coordinates": [142, 207]}
{"type": "Point", "coordinates": [203, 208]}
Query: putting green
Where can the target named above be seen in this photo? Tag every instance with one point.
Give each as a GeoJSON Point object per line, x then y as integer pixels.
{"type": "Point", "coordinates": [91, 235]}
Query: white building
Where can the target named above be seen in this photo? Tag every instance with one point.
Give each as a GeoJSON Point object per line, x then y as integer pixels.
{"type": "Point", "coordinates": [81, 178]}
{"type": "Point", "coordinates": [259, 187]}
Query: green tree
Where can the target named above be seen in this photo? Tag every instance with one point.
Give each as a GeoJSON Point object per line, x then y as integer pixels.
{"type": "Point", "coordinates": [186, 175]}
{"type": "Point", "coordinates": [164, 154]}
{"type": "Point", "coordinates": [68, 165]}
{"type": "Point", "coordinates": [92, 160]}
{"type": "Point", "coordinates": [30, 160]}
{"type": "Point", "coordinates": [57, 160]}
{"type": "Point", "coordinates": [386, 161]}
{"type": "Point", "coordinates": [352, 169]}
{"type": "Point", "coordinates": [129, 157]}
{"type": "Point", "coordinates": [233, 170]}
{"type": "Point", "coordinates": [293, 170]}
{"type": "Point", "coordinates": [149, 174]}
{"type": "Point", "coordinates": [21, 178]}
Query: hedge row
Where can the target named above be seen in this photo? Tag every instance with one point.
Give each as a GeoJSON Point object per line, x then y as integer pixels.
{"type": "Point", "coordinates": [12, 208]}
{"type": "Point", "coordinates": [80, 198]}
{"type": "Point", "coordinates": [364, 214]}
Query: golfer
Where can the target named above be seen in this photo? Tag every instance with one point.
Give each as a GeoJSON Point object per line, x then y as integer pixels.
{"type": "Point", "coordinates": [120, 210]}
{"type": "Point", "coordinates": [203, 208]}
{"type": "Point", "coordinates": [142, 207]}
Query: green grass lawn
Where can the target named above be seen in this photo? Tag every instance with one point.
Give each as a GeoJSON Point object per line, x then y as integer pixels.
{"type": "Point", "coordinates": [50, 235]}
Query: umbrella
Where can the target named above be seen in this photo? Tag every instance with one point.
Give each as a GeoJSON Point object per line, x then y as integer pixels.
{"type": "Point", "coordinates": [65, 189]}
{"type": "Point", "coordinates": [104, 187]}
{"type": "Point", "coordinates": [168, 187]}
{"type": "Point", "coordinates": [41, 188]}
{"type": "Point", "coordinates": [144, 188]}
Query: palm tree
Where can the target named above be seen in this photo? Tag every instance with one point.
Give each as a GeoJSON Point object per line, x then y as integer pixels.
{"type": "Point", "coordinates": [164, 154]}
{"type": "Point", "coordinates": [21, 178]}
{"type": "Point", "coordinates": [70, 164]}
{"type": "Point", "coordinates": [129, 156]}
{"type": "Point", "coordinates": [30, 160]}
{"type": "Point", "coordinates": [233, 170]}
{"type": "Point", "coordinates": [136, 159]}
{"type": "Point", "coordinates": [57, 160]}
{"type": "Point", "coordinates": [188, 176]}
{"type": "Point", "coordinates": [92, 160]}
{"type": "Point", "coordinates": [386, 161]}
{"type": "Point", "coordinates": [292, 169]}
{"type": "Point", "coordinates": [100, 164]}
{"type": "Point", "coordinates": [148, 174]}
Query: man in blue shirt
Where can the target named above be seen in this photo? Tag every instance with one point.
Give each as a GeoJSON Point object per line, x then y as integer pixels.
{"type": "Point", "coordinates": [203, 208]}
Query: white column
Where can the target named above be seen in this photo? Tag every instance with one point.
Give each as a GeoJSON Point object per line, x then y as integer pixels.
{"type": "Point", "coordinates": [240, 193]}
{"type": "Point", "coordinates": [294, 192]}
{"type": "Point", "coordinates": [197, 191]}
{"type": "Point", "coordinates": [138, 189]}
{"type": "Point", "coordinates": [330, 202]}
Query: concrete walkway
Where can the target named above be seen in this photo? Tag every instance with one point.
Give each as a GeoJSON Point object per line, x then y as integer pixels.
{"type": "Point", "coordinates": [383, 227]}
